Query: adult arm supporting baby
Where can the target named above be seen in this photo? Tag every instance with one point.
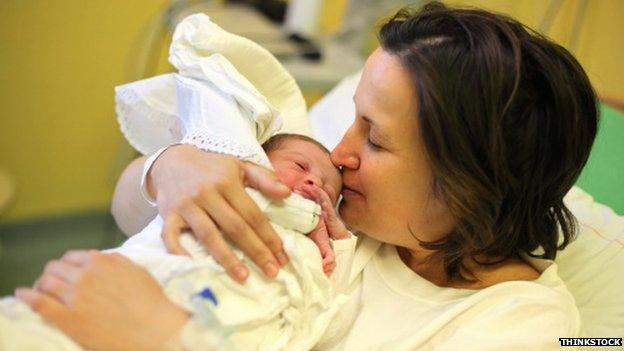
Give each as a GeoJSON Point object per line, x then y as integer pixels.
{"type": "Point", "coordinates": [191, 202]}
{"type": "Point", "coordinates": [131, 212]}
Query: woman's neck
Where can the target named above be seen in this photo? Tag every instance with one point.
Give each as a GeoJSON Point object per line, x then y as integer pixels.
{"type": "Point", "coordinates": [426, 264]}
{"type": "Point", "coordinates": [430, 266]}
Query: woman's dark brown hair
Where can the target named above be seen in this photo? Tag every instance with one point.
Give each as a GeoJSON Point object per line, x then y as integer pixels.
{"type": "Point", "coordinates": [507, 118]}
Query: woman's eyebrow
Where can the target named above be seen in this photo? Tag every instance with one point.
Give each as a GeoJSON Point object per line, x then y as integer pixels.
{"type": "Point", "coordinates": [378, 130]}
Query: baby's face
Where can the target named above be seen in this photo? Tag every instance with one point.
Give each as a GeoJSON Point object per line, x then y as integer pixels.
{"type": "Point", "coordinates": [302, 166]}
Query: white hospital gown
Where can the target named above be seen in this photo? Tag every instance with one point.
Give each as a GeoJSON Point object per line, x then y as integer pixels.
{"type": "Point", "coordinates": [219, 111]}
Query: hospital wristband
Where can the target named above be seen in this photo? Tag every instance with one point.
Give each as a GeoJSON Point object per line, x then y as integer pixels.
{"type": "Point", "coordinates": [147, 166]}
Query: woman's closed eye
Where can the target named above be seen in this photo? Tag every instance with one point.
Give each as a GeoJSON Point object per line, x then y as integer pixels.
{"type": "Point", "coordinates": [372, 144]}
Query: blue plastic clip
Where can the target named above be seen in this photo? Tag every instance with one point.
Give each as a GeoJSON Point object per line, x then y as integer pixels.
{"type": "Point", "coordinates": [208, 295]}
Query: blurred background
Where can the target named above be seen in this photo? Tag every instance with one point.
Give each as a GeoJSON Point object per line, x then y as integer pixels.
{"type": "Point", "coordinates": [61, 150]}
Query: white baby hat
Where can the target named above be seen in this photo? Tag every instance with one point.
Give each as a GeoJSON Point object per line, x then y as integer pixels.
{"type": "Point", "coordinates": [148, 110]}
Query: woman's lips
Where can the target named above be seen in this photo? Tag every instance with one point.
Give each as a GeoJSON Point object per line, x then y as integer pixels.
{"type": "Point", "coordinates": [348, 192]}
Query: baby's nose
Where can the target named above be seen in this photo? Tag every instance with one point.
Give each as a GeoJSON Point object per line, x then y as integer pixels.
{"type": "Point", "coordinates": [311, 180]}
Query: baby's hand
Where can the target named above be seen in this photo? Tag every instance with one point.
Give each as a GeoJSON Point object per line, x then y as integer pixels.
{"type": "Point", "coordinates": [321, 238]}
{"type": "Point", "coordinates": [335, 228]}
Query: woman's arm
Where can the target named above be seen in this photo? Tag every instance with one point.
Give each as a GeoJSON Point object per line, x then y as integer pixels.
{"type": "Point", "coordinates": [205, 192]}
{"type": "Point", "coordinates": [131, 212]}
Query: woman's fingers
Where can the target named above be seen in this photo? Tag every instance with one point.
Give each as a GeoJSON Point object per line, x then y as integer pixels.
{"type": "Point", "coordinates": [264, 180]}
{"type": "Point", "coordinates": [64, 270]}
{"type": "Point", "coordinates": [237, 229]}
{"type": "Point", "coordinates": [208, 234]}
{"type": "Point", "coordinates": [54, 286]}
{"type": "Point", "coordinates": [46, 306]}
{"type": "Point", "coordinates": [172, 228]}
{"type": "Point", "coordinates": [240, 201]}
{"type": "Point", "coordinates": [80, 257]}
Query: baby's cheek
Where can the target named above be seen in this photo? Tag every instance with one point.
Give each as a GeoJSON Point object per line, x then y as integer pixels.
{"type": "Point", "coordinates": [288, 177]}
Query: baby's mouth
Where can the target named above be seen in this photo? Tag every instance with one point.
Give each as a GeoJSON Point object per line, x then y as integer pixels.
{"type": "Point", "coordinates": [305, 194]}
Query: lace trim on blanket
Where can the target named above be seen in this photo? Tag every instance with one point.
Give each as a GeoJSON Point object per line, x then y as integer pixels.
{"type": "Point", "coordinates": [135, 115]}
{"type": "Point", "coordinates": [208, 141]}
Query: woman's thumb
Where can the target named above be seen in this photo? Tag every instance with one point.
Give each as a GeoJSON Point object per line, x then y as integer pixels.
{"type": "Point", "coordinates": [264, 180]}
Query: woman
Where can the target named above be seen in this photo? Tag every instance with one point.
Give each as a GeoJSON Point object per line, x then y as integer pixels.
{"type": "Point", "coordinates": [469, 132]}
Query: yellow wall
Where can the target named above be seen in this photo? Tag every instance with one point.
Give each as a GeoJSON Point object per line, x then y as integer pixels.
{"type": "Point", "coordinates": [59, 62]}
{"type": "Point", "coordinates": [600, 47]}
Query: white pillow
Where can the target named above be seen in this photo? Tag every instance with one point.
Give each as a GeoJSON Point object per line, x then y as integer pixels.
{"type": "Point", "coordinates": [592, 266]}
{"type": "Point", "coordinates": [331, 116]}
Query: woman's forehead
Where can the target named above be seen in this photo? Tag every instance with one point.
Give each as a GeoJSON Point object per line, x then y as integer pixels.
{"type": "Point", "coordinates": [386, 98]}
{"type": "Point", "coordinates": [386, 88]}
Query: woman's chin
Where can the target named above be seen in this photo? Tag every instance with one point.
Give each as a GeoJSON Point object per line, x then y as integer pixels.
{"type": "Point", "coordinates": [350, 214]}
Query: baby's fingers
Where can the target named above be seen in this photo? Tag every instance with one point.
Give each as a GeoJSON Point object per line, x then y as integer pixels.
{"type": "Point", "coordinates": [329, 215]}
{"type": "Point", "coordinates": [328, 268]}
{"type": "Point", "coordinates": [329, 262]}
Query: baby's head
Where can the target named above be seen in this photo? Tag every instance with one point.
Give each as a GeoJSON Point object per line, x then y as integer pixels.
{"type": "Point", "coordinates": [302, 164]}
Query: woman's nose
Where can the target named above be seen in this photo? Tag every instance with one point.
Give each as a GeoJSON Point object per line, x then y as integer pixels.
{"type": "Point", "coordinates": [345, 153]}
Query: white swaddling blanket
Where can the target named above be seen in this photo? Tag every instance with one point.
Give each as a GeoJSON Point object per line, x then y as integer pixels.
{"type": "Point", "coordinates": [290, 312]}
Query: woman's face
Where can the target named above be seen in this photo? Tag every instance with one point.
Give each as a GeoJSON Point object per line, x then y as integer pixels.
{"type": "Point", "coordinates": [387, 187]}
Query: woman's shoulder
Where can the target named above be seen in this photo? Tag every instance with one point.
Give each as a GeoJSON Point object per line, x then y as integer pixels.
{"type": "Point", "coordinates": [513, 269]}
{"type": "Point", "coordinates": [527, 285]}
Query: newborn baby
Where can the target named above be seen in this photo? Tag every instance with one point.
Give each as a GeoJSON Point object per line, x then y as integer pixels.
{"type": "Point", "coordinates": [303, 164]}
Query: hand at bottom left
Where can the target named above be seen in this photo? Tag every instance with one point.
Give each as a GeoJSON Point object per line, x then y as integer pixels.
{"type": "Point", "coordinates": [104, 302]}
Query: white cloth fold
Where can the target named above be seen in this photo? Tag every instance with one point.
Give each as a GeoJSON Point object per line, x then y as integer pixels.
{"type": "Point", "coordinates": [147, 110]}
{"type": "Point", "coordinates": [213, 120]}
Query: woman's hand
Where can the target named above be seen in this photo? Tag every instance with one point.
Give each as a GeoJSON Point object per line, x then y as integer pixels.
{"type": "Point", "coordinates": [204, 192]}
{"type": "Point", "coordinates": [104, 302]}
